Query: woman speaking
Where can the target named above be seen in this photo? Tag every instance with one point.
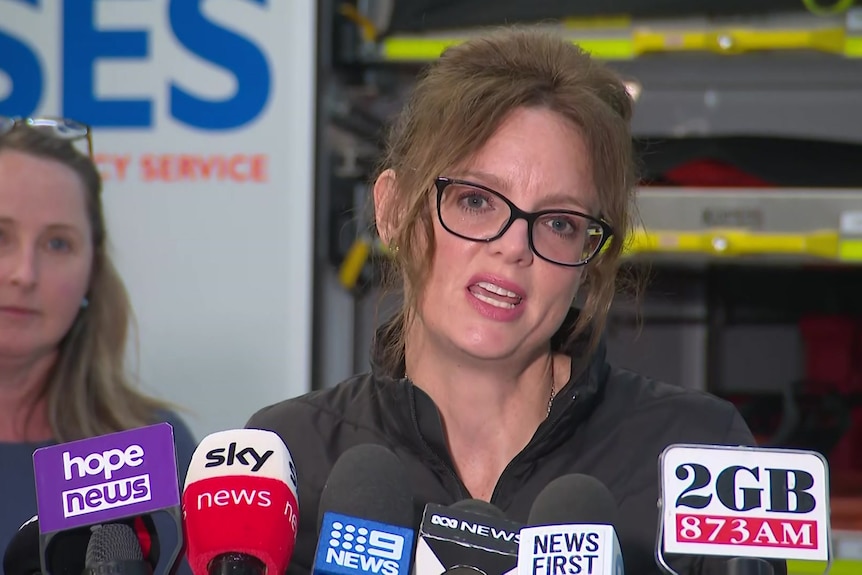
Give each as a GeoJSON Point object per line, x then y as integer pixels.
{"type": "Point", "coordinates": [506, 193]}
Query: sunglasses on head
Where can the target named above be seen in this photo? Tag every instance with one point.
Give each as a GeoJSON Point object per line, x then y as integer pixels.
{"type": "Point", "coordinates": [60, 128]}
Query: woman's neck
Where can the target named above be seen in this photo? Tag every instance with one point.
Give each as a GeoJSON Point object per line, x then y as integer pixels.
{"type": "Point", "coordinates": [490, 409]}
{"type": "Point", "coordinates": [23, 410]}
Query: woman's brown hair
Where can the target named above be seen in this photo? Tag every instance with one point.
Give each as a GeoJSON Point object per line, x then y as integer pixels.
{"type": "Point", "coordinates": [89, 391]}
{"type": "Point", "coordinates": [456, 106]}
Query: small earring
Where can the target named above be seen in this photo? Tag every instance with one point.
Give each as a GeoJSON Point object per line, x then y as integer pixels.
{"type": "Point", "coordinates": [84, 303]}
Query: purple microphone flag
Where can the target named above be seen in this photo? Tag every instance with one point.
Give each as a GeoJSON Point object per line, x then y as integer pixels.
{"type": "Point", "coordinates": [105, 478]}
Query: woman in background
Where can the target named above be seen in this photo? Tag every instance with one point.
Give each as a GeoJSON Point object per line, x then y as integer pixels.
{"type": "Point", "coordinates": [64, 312]}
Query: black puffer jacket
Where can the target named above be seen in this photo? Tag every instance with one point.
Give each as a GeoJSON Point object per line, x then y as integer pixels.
{"type": "Point", "coordinates": [608, 423]}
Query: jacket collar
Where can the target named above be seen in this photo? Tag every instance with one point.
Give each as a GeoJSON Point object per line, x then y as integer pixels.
{"type": "Point", "coordinates": [421, 423]}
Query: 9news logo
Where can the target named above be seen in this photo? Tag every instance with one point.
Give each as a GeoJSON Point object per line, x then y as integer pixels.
{"type": "Point", "coordinates": [745, 502]}
{"type": "Point", "coordinates": [359, 546]}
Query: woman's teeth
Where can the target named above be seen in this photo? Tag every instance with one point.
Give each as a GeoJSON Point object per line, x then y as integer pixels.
{"type": "Point", "coordinates": [497, 289]}
{"type": "Point", "coordinates": [492, 301]}
{"type": "Point", "coordinates": [495, 295]}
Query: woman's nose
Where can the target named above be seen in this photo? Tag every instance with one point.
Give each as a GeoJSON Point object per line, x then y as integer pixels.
{"type": "Point", "coordinates": [514, 245]}
{"type": "Point", "coordinates": [21, 266]}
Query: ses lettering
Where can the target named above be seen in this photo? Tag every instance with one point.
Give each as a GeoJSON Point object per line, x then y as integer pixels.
{"type": "Point", "coordinates": [84, 45]}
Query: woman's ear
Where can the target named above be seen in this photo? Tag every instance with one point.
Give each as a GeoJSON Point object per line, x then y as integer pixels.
{"type": "Point", "coordinates": [385, 189]}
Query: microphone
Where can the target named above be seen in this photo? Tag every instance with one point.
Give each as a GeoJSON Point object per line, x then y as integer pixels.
{"type": "Point", "coordinates": [114, 478]}
{"type": "Point", "coordinates": [66, 555]}
{"type": "Point", "coordinates": [746, 503]}
{"type": "Point", "coordinates": [22, 554]}
{"type": "Point", "coordinates": [571, 530]}
{"type": "Point", "coordinates": [240, 504]}
{"type": "Point", "coordinates": [749, 566]}
{"type": "Point", "coordinates": [470, 536]}
{"type": "Point", "coordinates": [365, 515]}
{"type": "Point", "coordinates": [114, 549]}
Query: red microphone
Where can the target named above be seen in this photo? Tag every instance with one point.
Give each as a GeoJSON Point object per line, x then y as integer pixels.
{"type": "Point", "coordinates": [240, 504]}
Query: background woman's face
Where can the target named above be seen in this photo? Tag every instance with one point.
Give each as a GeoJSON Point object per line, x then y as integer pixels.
{"type": "Point", "coordinates": [496, 299]}
{"type": "Point", "coordinates": [46, 253]}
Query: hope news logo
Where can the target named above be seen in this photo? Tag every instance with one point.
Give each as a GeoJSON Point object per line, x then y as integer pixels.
{"type": "Point", "coordinates": [107, 494]}
{"type": "Point", "coordinates": [363, 549]}
{"type": "Point", "coordinates": [764, 503]}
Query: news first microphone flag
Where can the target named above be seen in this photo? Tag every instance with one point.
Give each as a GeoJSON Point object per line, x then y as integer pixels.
{"type": "Point", "coordinates": [744, 502]}
{"type": "Point", "coordinates": [568, 549]}
{"type": "Point", "coordinates": [108, 478]}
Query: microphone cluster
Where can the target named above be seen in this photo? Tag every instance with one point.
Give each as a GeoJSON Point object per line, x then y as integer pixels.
{"type": "Point", "coordinates": [570, 528]}
{"type": "Point", "coordinates": [112, 505]}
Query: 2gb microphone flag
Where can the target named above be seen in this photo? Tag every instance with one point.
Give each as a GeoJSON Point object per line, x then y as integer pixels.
{"type": "Point", "coordinates": [744, 502]}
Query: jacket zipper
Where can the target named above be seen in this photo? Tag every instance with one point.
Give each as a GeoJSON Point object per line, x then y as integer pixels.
{"type": "Point", "coordinates": [451, 472]}
{"type": "Point", "coordinates": [548, 431]}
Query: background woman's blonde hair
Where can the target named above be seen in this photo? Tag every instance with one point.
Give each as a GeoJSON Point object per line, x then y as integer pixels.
{"type": "Point", "coordinates": [457, 105]}
{"type": "Point", "coordinates": [89, 391]}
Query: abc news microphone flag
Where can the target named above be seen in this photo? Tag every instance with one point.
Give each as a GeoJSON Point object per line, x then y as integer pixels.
{"type": "Point", "coordinates": [455, 536]}
{"type": "Point", "coordinates": [240, 497]}
{"type": "Point", "coordinates": [744, 502]}
{"type": "Point", "coordinates": [105, 479]}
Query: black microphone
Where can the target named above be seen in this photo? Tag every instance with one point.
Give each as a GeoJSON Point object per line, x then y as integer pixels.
{"type": "Point", "coordinates": [749, 566]}
{"type": "Point", "coordinates": [368, 481]}
{"type": "Point", "coordinates": [365, 515]}
{"type": "Point", "coordinates": [468, 537]}
{"type": "Point", "coordinates": [571, 530]}
{"type": "Point", "coordinates": [67, 554]}
{"type": "Point", "coordinates": [480, 507]}
{"type": "Point", "coordinates": [114, 550]}
{"type": "Point", "coordinates": [22, 554]}
{"type": "Point", "coordinates": [574, 498]}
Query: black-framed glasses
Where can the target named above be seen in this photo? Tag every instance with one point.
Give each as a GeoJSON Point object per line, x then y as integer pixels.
{"type": "Point", "coordinates": [61, 128]}
{"type": "Point", "coordinates": [477, 213]}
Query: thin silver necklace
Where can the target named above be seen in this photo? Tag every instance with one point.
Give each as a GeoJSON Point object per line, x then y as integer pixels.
{"type": "Point", "coordinates": [553, 386]}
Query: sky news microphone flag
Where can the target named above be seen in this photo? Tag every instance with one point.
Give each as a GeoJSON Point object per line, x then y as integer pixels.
{"type": "Point", "coordinates": [571, 530]}
{"type": "Point", "coordinates": [109, 478]}
{"type": "Point", "coordinates": [743, 502]}
{"type": "Point", "coordinates": [240, 503]}
{"type": "Point", "coordinates": [365, 515]}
